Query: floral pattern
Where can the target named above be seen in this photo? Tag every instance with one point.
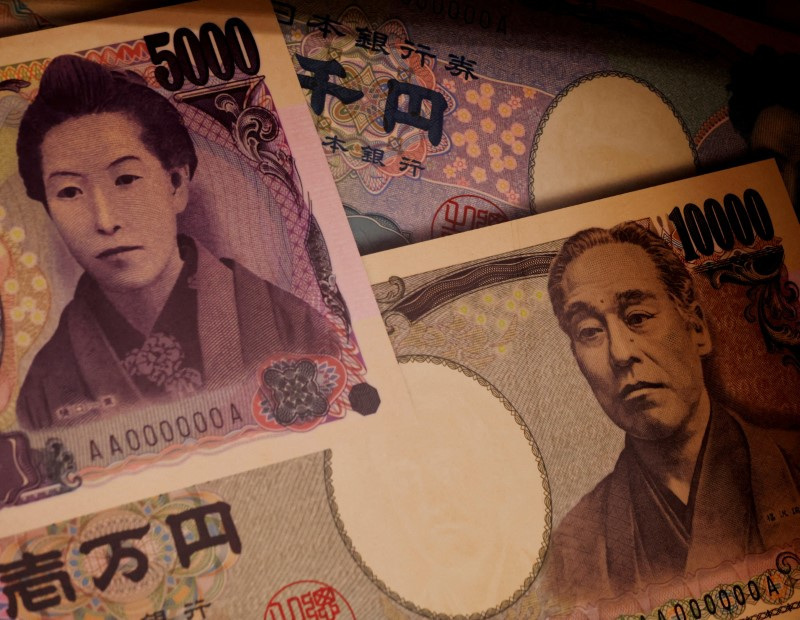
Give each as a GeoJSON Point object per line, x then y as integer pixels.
{"type": "Point", "coordinates": [160, 360]}
{"type": "Point", "coordinates": [296, 392]}
{"type": "Point", "coordinates": [360, 124]}
{"type": "Point", "coordinates": [299, 392]}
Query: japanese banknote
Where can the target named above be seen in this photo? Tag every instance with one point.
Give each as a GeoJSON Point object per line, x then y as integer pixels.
{"type": "Point", "coordinates": [272, 544]}
{"type": "Point", "coordinates": [645, 349]}
{"type": "Point", "coordinates": [176, 269]}
{"type": "Point", "coordinates": [440, 116]}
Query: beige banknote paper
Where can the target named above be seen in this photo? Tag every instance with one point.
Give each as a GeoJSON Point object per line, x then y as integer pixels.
{"type": "Point", "coordinates": [271, 543]}
{"type": "Point", "coordinates": [646, 348]}
{"type": "Point", "coordinates": [177, 274]}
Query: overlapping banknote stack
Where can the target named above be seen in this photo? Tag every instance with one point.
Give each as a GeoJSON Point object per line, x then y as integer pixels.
{"type": "Point", "coordinates": [210, 409]}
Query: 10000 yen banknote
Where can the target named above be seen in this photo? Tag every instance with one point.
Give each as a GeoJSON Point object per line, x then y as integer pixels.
{"type": "Point", "coordinates": [270, 544]}
{"type": "Point", "coordinates": [176, 269]}
{"type": "Point", "coordinates": [643, 351]}
{"type": "Point", "coordinates": [439, 116]}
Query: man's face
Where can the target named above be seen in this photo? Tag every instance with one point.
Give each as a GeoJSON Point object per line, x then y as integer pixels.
{"type": "Point", "coordinates": [639, 354]}
{"type": "Point", "coordinates": [776, 133]}
{"type": "Point", "coordinates": [111, 200]}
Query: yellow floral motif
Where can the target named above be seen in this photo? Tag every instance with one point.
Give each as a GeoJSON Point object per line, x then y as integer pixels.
{"type": "Point", "coordinates": [28, 303]}
{"type": "Point", "coordinates": [509, 162]}
{"type": "Point", "coordinates": [503, 185]}
{"type": "Point", "coordinates": [487, 90]}
{"type": "Point", "coordinates": [488, 125]}
{"type": "Point", "coordinates": [28, 259]}
{"type": "Point", "coordinates": [473, 150]}
{"type": "Point", "coordinates": [464, 115]}
{"type": "Point", "coordinates": [471, 135]}
{"type": "Point", "coordinates": [38, 317]}
{"type": "Point", "coordinates": [539, 294]}
{"type": "Point", "coordinates": [517, 130]}
{"type": "Point", "coordinates": [504, 110]}
{"type": "Point", "coordinates": [39, 283]}
{"type": "Point", "coordinates": [22, 339]}
{"type": "Point", "coordinates": [496, 165]}
{"type": "Point", "coordinates": [17, 314]}
{"type": "Point", "coordinates": [480, 319]}
{"type": "Point", "coordinates": [518, 147]}
{"type": "Point", "coordinates": [495, 150]}
{"type": "Point", "coordinates": [11, 286]}
{"type": "Point", "coordinates": [458, 138]}
{"type": "Point", "coordinates": [518, 294]}
{"type": "Point", "coordinates": [484, 103]}
{"type": "Point", "coordinates": [472, 96]}
{"type": "Point", "coordinates": [297, 34]}
{"type": "Point", "coordinates": [449, 171]}
{"type": "Point", "coordinates": [510, 304]}
{"type": "Point", "coordinates": [523, 313]}
{"type": "Point", "coordinates": [463, 309]}
{"type": "Point", "coordinates": [502, 323]}
{"type": "Point", "coordinates": [489, 299]}
{"type": "Point", "coordinates": [501, 348]}
{"type": "Point", "coordinates": [507, 137]}
{"type": "Point", "coordinates": [528, 92]}
{"type": "Point", "coordinates": [478, 174]}
{"type": "Point", "coordinates": [16, 234]}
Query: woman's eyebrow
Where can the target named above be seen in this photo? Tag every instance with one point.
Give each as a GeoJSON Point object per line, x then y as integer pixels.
{"type": "Point", "coordinates": [122, 159]}
{"type": "Point", "coordinates": [62, 173]}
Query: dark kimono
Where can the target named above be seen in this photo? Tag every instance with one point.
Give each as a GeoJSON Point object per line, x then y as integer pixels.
{"type": "Point", "coordinates": [630, 531]}
{"type": "Point", "coordinates": [219, 322]}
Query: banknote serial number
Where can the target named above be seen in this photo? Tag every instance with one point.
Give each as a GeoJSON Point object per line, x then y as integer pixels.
{"type": "Point", "coordinates": [460, 11]}
{"type": "Point", "coordinates": [166, 432]}
{"type": "Point", "coordinates": [722, 225]}
{"type": "Point", "coordinates": [215, 51]}
{"type": "Point", "coordinates": [724, 600]}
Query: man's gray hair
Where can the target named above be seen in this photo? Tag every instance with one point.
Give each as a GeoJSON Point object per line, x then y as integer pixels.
{"type": "Point", "coordinates": [671, 271]}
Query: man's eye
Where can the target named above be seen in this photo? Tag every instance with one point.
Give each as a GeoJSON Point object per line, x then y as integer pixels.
{"type": "Point", "coordinates": [637, 319]}
{"type": "Point", "coordinates": [68, 192]}
{"type": "Point", "coordinates": [127, 179]}
{"type": "Point", "coordinates": [588, 333]}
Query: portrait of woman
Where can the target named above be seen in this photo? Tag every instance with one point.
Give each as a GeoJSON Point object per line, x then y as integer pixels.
{"type": "Point", "coordinates": [155, 314]}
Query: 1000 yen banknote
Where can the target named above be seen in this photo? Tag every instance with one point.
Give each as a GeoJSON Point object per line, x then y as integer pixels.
{"type": "Point", "coordinates": [444, 116]}
{"type": "Point", "coordinates": [176, 269]}
{"type": "Point", "coordinates": [647, 346]}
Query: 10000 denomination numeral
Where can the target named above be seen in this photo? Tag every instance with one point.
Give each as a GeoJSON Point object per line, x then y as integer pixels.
{"type": "Point", "coordinates": [736, 219]}
{"type": "Point", "coordinates": [220, 52]}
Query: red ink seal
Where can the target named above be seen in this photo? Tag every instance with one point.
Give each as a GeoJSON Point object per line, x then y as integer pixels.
{"type": "Point", "coordinates": [308, 599]}
{"type": "Point", "coordinates": [465, 212]}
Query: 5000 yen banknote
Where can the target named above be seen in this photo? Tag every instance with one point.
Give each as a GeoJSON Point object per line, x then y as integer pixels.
{"type": "Point", "coordinates": [444, 116]}
{"type": "Point", "coordinates": [166, 283]}
{"type": "Point", "coordinates": [647, 347]}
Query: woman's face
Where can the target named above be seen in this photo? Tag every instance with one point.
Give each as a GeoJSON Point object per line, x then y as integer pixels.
{"type": "Point", "coordinates": [112, 201]}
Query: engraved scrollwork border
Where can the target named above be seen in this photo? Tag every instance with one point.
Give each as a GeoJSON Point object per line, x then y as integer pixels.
{"type": "Point", "coordinates": [578, 82]}
{"type": "Point", "coordinates": [528, 582]}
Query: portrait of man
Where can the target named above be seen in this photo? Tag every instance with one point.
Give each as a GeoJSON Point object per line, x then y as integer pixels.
{"type": "Point", "coordinates": [155, 315]}
{"type": "Point", "coordinates": [764, 107]}
{"type": "Point", "coordinates": [694, 485]}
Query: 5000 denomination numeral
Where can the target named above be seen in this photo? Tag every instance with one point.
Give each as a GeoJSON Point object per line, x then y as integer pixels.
{"type": "Point", "coordinates": [724, 224]}
{"type": "Point", "coordinates": [214, 50]}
